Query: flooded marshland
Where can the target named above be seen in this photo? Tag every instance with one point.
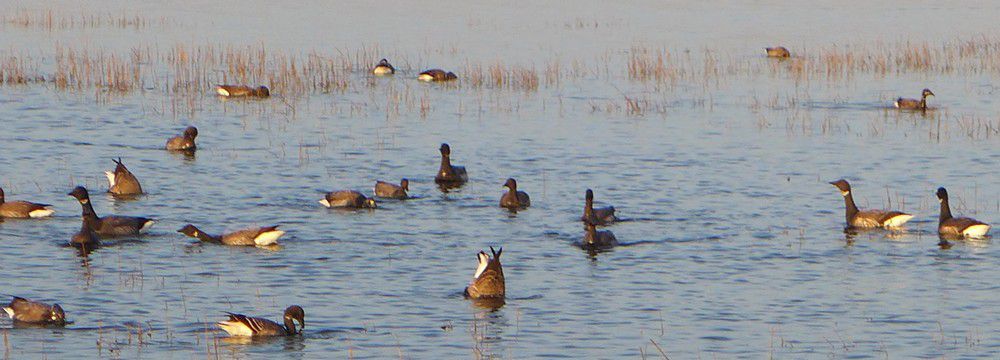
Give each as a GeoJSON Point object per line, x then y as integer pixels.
{"type": "Point", "coordinates": [716, 157]}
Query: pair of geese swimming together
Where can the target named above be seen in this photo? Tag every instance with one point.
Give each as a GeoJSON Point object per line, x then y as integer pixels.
{"type": "Point", "coordinates": [383, 68]}
{"type": "Point", "coordinates": [949, 227]}
{"type": "Point", "coordinates": [781, 52]}
{"type": "Point", "coordinates": [33, 313]}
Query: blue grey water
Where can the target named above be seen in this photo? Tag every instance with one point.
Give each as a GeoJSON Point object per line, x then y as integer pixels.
{"type": "Point", "coordinates": [733, 246]}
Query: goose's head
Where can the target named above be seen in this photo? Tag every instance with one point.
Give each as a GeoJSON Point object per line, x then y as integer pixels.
{"type": "Point", "coordinates": [191, 132]}
{"type": "Point", "coordinates": [843, 185]}
{"type": "Point", "coordinates": [295, 313]}
{"type": "Point", "coordinates": [57, 315]}
{"type": "Point", "coordinates": [942, 194]}
{"type": "Point", "coordinates": [81, 195]}
{"type": "Point", "coordinates": [926, 93]}
{"type": "Point", "coordinates": [445, 150]}
{"type": "Point", "coordinates": [511, 184]}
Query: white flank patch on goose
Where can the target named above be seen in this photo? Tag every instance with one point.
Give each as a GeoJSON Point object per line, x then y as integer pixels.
{"type": "Point", "coordinates": [977, 231]}
{"type": "Point", "coordinates": [268, 238]}
{"type": "Point", "coordinates": [146, 225]}
{"type": "Point", "coordinates": [221, 91]}
{"type": "Point", "coordinates": [9, 311]}
{"type": "Point", "coordinates": [898, 220]}
{"type": "Point", "coordinates": [324, 202]}
{"type": "Point", "coordinates": [235, 328]}
{"type": "Point", "coordinates": [41, 213]}
{"type": "Point", "coordinates": [111, 178]}
{"type": "Point", "coordinates": [425, 77]}
{"type": "Point", "coordinates": [896, 104]}
{"type": "Point", "coordinates": [483, 261]}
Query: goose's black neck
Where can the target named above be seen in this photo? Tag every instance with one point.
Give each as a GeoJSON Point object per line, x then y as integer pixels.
{"type": "Point", "coordinates": [289, 326]}
{"type": "Point", "coordinates": [201, 235]}
{"type": "Point", "coordinates": [852, 209]}
{"type": "Point", "coordinates": [445, 165]}
{"type": "Point", "coordinates": [89, 216]}
{"type": "Point", "coordinates": [945, 211]}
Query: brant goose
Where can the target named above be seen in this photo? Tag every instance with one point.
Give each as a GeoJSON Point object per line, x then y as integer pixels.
{"type": "Point", "coordinates": [121, 182]}
{"type": "Point", "coordinates": [436, 75]}
{"type": "Point", "coordinates": [914, 104]}
{"type": "Point", "coordinates": [242, 325]}
{"type": "Point", "coordinates": [392, 191]}
{"type": "Point", "coordinates": [255, 236]}
{"type": "Point", "coordinates": [449, 174]}
{"type": "Point", "coordinates": [953, 227]}
{"type": "Point", "coordinates": [23, 209]}
{"type": "Point", "coordinates": [383, 68]}
{"type": "Point", "coordinates": [111, 225]}
{"type": "Point", "coordinates": [598, 238]}
{"type": "Point", "coordinates": [185, 141]}
{"type": "Point", "coordinates": [26, 311]}
{"type": "Point", "coordinates": [242, 91]}
{"type": "Point", "coordinates": [513, 199]}
{"type": "Point", "coordinates": [868, 219]}
{"type": "Point", "coordinates": [488, 281]}
{"type": "Point", "coordinates": [349, 199]}
{"type": "Point", "coordinates": [599, 216]}
{"type": "Point", "coordinates": [778, 52]}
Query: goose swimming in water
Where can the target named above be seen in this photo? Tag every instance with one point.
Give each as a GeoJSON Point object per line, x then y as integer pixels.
{"type": "Point", "coordinates": [111, 225]}
{"type": "Point", "coordinates": [914, 104]}
{"type": "Point", "coordinates": [514, 199]}
{"type": "Point", "coordinates": [255, 236]}
{"type": "Point", "coordinates": [953, 227]}
{"type": "Point", "coordinates": [448, 173]}
{"type": "Point", "coordinates": [122, 182]}
{"type": "Point", "coordinates": [348, 199]}
{"type": "Point", "coordinates": [868, 219]}
{"type": "Point", "coordinates": [598, 216]}
{"type": "Point", "coordinates": [242, 325]}
{"type": "Point", "coordinates": [392, 191]}
{"type": "Point", "coordinates": [778, 52]}
{"type": "Point", "coordinates": [383, 68]}
{"type": "Point", "coordinates": [488, 281]}
{"type": "Point", "coordinates": [436, 75]}
{"type": "Point", "coordinates": [242, 91]}
{"type": "Point", "coordinates": [23, 209]}
{"type": "Point", "coordinates": [185, 141]}
{"type": "Point", "coordinates": [30, 312]}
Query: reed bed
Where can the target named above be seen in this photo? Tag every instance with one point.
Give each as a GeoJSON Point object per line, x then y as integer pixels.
{"type": "Point", "coordinates": [52, 20]}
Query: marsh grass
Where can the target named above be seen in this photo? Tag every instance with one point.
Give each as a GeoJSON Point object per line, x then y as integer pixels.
{"type": "Point", "coordinates": [52, 20]}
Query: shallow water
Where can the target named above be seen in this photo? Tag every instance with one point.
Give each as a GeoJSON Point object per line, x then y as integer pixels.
{"type": "Point", "coordinates": [732, 245]}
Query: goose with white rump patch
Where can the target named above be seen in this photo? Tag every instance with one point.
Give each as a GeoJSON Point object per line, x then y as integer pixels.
{"type": "Point", "coordinates": [242, 325]}
{"type": "Point", "coordinates": [255, 236]}
{"type": "Point", "coordinates": [436, 75]}
{"type": "Point", "coordinates": [23, 209]}
{"type": "Point", "coordinates": [868, 219]}
{"type": "Point", "coordinates": [122, 182]}
{"type": "Point", "coordinates": [348, 199]}
{"type": "Point", "coordinates": [962, 227]}
{"type": "Point", "coordinates": [111, 225]}
{"type": "Point", "coordinates": [22, 310]}
{"type": "Point", "coordinates": [488, 281]}
{"type": "Point", "coordinates": [242, 91]}
{"type": "Point", "coordinates": [383, 68]}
